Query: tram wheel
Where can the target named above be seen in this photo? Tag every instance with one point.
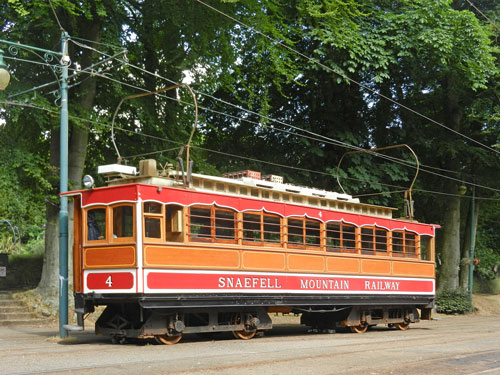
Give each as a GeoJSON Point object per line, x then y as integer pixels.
{"type": "Point", "coordinates": [403, 326]}
{"type": "Point", "coordinates": [243, 334]}
{"type": "Point", "coordinates": [167, 340]}
{"type": "Point", "coordinates": [362, 328]}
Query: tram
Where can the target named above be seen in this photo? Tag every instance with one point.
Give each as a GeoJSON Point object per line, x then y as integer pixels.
{"type": "Point", "coordinates": [169, 254]}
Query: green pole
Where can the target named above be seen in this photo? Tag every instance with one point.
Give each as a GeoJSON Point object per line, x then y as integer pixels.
{"type": "Point", "coordinates": [472, 240]}
{"type": "Point", "coordinates": [63, 187]}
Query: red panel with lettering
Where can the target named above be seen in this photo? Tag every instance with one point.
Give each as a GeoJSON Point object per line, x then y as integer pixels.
{"type": "Point", "coordinates": [294, 283]}
{"type": "Point", "coordinates": [110, 280]}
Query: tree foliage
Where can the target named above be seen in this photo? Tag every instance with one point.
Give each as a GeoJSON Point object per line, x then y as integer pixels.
{"type": "Point", "coordinates": [318, 77]}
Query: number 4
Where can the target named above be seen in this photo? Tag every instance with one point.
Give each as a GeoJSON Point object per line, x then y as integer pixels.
{"type": "Point", "coordinates": [109, 281]}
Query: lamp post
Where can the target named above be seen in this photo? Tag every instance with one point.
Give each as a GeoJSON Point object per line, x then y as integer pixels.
{"type": "Point", "coordinates": [63, 184]}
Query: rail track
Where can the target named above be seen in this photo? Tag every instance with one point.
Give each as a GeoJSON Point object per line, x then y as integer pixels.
{"type": "Point", "coordinates": [467, 345]}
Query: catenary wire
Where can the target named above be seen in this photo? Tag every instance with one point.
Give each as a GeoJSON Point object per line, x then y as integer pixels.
{"type": "Point", "coordinates": [324, 138]}
{"type": "Point", "coordinates": [339, 143]}
{"type": "Point", "coordinates": [346, 77]}
{"type": "Point", "coordinates": [231, 155]}
{"type": "Point", "coordinates": [482, 14]}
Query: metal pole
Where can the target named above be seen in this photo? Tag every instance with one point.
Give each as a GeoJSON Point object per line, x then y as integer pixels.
{"type": "Point", "coordinates": [472, 240]}
{"type": "Point", "coordinates": [63, 187]}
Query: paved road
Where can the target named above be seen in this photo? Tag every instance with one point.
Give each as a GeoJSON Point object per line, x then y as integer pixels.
{"type": "Point", "coordinates": [452, 345]}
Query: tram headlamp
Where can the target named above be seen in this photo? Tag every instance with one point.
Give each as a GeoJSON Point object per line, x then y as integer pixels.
{"type": "Point", "coordinates": [88, 181]}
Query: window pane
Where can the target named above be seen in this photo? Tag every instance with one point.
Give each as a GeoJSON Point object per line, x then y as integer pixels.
{"type": "Point", "coordinates": [152, 227]}
{"type": "Point", "coordinates": [152, 208]}
{"type": "Point", "coordinates": [381, 240]}
{"type": "Point", "coordinates": [425, 253]}
{"type": "Point", "coordinates": [224, 225]}
{"type": "Point", "coordinates": [123, 221]}
{"type": "Point", "coordinates": [295, 232]}
{"type": "Point", "coordinates": [333, 236]}
{"type": "Point", "coordinates": [96, 224]}
{"type": "Point", "coordinates": [200, 223]}
{"type": "Point", "coordinates": [410, 245]}
{"type": "Point", "coordinates": [312, 233]}
{"type": "Point", "coordinates": [397, 242]}
{"type": "Point", "coordinates": [272, 229]}
{"type": "Point", "coordinates": [348, 237]}
{"type": "Point", "coordinates": [367, 240]}
{"type": "Point", "coordinates": [251, 227]}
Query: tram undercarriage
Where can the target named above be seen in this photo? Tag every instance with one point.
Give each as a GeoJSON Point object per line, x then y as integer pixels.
{"type": "Point", "coordinates": [159, 318]}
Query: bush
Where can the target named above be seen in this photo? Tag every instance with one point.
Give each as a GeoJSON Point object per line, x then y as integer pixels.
{"type": "Point", "coordinates": [455, 301]}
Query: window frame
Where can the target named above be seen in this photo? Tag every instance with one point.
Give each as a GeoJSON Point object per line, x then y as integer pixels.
{"type": "Point", "coordinates": [213, 237]}
{"type": "Point", "coordinates": [404, 253]}
{"type": "Point", "coordinates": [342, 248]}
{"type": "Point", "coordinates": [105, 240]}
{"type": "Point", "coordinates": [112, 223]}
{"type": "Point", "coordinates": [374, 242]}
{"type": "Point", "coordinates": [304, 229]}
{"type": "Point", "coordinates": [156, 216]}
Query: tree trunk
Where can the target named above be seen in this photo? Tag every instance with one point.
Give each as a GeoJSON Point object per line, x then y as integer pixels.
{"type": "Point", "coordinates": [466, 261]}
{"type": "Point", "coordinates": [450, 250]}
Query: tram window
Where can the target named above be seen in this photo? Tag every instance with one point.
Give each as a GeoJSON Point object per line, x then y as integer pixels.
{"type": "Point", "coordinates": [272, 229]}
{"type": "Point", "coordinates": [333, 232]}
{"type": "Point", "coordinates": [367, 241]}
{"type": "Point", "coordinates": [380, 240]}
{"type": "Point", "coordinates": [312, 233]}
{"type": "Point", "coordinates": [252, 227]}
{"type": "Point", "coordinates": [96, 224]}
{"type": "Point", "coordinates": [224, 225]}
{"type": "Point", "coordinates": [199, 226]}
{"type": "Point", "coordinates": [425, 247]}
{"type": "Point", "coordinates": [152, 227]}
{"type": "Point", "coordinates": [123, 221]}
{"type": "Point", "coordinates": [174, 223]}
{"type": "Point", "coordinates": [410, 245]}
{"type": "Point", "coordinates": [348, 237]}
{"type": "Point", "coordinates": [152, 208]}
{"type": "Point", "coordinates": [295, 232]}
{"type": "Point", "coordinates": [397, 243]}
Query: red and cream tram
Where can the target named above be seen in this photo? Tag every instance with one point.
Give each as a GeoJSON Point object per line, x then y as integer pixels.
{"type": "Point", "coordinates": [215, 254]}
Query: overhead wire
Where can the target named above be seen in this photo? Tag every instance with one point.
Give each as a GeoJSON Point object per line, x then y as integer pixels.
{"type": "Point", "coordinates": [340, 143]}
{"type": "Point", "coordinates": [482, 14]}
{"type": "Point", "coordinates": [347, 77]}
{"type": "Point", "coordinates": [231, 155]}
{"type": "Point", "coordinates": [322, 138]}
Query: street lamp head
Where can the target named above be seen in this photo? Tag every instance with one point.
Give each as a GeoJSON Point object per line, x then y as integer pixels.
{"type": "Point", "coordinates": [4, 73]}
